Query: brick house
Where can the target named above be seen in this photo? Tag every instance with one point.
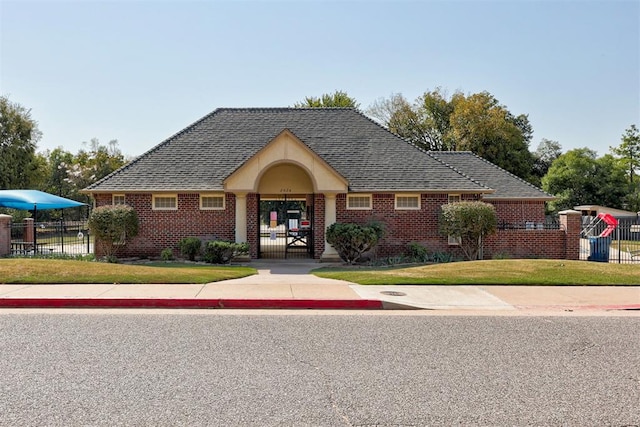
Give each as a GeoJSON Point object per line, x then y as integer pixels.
{"type": "Point", "coordinates": [277, 177]}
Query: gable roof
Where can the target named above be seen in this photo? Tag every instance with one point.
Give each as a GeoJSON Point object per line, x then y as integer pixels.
{"type": "Point", "coordinates": [367, 155]}
{"type": "Point", "coordinates": [505, 184]}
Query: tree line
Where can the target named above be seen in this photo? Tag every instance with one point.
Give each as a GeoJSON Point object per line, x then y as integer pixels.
{"type": "Point", "coordinates": [435, 121]}
{"type": "Point", "coordinates": [479, 123]}
{"type": "Point", "coordinates": [56, 171]}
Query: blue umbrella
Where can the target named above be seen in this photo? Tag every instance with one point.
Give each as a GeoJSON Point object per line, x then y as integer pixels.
{"type": "Point", "coordinates": [32, 200]}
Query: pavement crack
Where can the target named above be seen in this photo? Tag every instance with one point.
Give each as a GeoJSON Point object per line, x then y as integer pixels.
{"type": "Point", "coordinates": [200, 291]}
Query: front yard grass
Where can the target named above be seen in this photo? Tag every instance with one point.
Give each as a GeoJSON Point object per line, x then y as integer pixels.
{"type": "Point", "coordinates": [493, 272]}
{"type": "Point", "coordinates": [28, 271]}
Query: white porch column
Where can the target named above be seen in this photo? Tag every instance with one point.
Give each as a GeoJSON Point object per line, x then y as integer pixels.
{"type": "Point", "coordinates": [329, 254]}
{"type": "Point", "coordinates": [241, 217]}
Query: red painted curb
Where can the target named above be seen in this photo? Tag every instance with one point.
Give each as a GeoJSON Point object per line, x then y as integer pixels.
{"type": "Point", "coordinates": [189, 303]}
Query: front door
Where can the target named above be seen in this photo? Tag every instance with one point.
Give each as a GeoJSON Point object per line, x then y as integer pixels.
{"type": "Point", "coordinates": [285, 227]}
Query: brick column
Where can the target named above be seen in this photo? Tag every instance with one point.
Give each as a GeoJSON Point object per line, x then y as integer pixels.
{"type": "Point", "coordinates": [571, 222]}
{"type": "Point", "coordinates": [253, 224]}
{"type": "Point", "coordinates": [28, 230]}
{"type": "Point", "coordinates": [5, 235]}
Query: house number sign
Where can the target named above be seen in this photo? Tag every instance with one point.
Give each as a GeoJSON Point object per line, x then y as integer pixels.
{"type": "Point", "coordinates": [285, 190]}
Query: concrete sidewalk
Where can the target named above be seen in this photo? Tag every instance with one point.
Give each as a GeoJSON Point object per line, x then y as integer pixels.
{"type": "Point", "coordinates": [288, 284]}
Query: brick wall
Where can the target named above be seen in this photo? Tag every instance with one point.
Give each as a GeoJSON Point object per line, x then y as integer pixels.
{"type": "Point", "coordinates": [160, 229]}
{"type": "Point", "coordinates": [526, 244]}
{"type": "Point", "coordinates": [164, 229]}
{"type": "Point", "coordinates": [515, 211]}
{"type": "Point", "coordinates": [404, 226]}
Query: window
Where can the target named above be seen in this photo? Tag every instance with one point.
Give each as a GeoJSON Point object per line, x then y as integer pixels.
{"type": "Point", "coordinates": [360, 201]}
{"type": "Point", "coordinates": [454, 198]}
{"type": "Point", "coordinates": [408, 201]}
{"type": "Point", "coordinates": [212, 201]}
{"type": "Point", "coordinates": [118, 199]}
{"type": "Point", "coordinates": [165, 202]}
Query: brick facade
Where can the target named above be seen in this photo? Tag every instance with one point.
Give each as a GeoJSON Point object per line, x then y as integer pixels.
{"type": "Point", "coordinates": [160, 229]}
{"type": "Point", "coordinates": [401, 226]}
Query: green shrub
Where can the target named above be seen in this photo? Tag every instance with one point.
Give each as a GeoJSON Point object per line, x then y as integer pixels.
{"type": "Point", "coordinates": [470, 222]}
{"type": "Point", "coordinates": [378, 228]}
{"type": "Point", "coordinates": [223, 252]}
{"type": "Point", "coordinates": [190, 247]}
{"type": "Point", "coordinates": [166, 254]}
{"type": "Point", "coordinates": [418, 252]}
{"type": "Point", "coordinates": [113, 227]}
{"type": "Point", "coordinates": [442, 257]}
{"type": "Point", "coordinates": [352, 240]}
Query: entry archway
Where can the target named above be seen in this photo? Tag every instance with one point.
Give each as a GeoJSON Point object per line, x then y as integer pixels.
{"type": "Point", "coordinates": [285, 213]}
{"type": "Point", "coordinates": [285, 168]}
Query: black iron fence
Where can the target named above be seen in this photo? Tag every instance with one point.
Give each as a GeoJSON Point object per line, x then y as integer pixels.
{"type": "Point", "coordinates": [621, 245]}
{"type": "Point", "coordinates": [548, 224]}
{"type": "Point", "coordinates": [55, 238]}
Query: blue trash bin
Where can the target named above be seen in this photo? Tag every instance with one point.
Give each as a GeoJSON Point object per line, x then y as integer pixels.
{"type": "Point", "coordinates": [599, 248]}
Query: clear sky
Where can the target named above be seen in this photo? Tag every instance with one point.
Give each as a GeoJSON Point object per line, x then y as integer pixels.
{"type": "Point", "coordinates": [140, 71]}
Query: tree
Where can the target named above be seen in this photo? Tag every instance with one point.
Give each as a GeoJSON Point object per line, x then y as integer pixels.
{"type": "Point", "coordinates": [578, 177]}
{"type": "Point", "coordinates": [629, 151]}
{"type": "Point", "coordinates": [87, 166]}
{"type": "Point", "coordinates": [337, 99]}
{"type": "Point", "coordinates": [628, 154]}
{"type": "Point", "coordinates": [543, 157]}
{"type": "Point", "coordinates": [19, 135]}
{"type": "Point", "coordinates": [476, 123]}
{"type": "Point", "coordinates": [113, 227]}
{"type": "Point", "coordinates": [481, 125]}
{"type": "Point", "coordinates": [425, 123]}
{"type": "Point", "coordinates": [470, 222]}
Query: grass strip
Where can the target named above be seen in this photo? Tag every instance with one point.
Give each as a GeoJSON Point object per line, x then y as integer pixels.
{"type": "Point", "coordinates": [30, 271]}
{"type": "Point", "coordinates": [493, 272]}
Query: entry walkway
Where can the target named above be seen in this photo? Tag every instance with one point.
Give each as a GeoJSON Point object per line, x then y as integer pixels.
{"type": "Point", "coordinates": [288, 284]}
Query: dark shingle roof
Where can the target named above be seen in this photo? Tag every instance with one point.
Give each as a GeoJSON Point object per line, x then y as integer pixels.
{"type": "Point", "coordinates": [367, 155]}
{"type": "Point", "coordinates": [505, 184]}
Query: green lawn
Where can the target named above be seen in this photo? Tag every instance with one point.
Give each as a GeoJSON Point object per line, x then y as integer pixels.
{"type": "Point", "coordinates": [493, 272]}
{"type": "Point", "coordinates": [21, 270]}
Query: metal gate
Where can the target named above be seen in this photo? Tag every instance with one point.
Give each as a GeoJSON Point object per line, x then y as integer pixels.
{"type": "Point", "coordinates": [285, 227]}
{"type": "Point", "coordinates": [603, 242]}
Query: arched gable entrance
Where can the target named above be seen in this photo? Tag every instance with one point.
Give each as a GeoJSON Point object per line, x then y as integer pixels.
{"type": "Point", "coordinates": [288, 178]}
{"type": "Point", "coordinates": [285, 213]}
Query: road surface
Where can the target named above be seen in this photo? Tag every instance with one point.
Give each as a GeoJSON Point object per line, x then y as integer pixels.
{"type": "Point", "coordinates": [161, 368]}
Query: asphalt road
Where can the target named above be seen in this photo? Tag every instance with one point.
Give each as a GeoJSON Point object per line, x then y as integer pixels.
{"type": "Point", "coordinates": [165, 368]}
